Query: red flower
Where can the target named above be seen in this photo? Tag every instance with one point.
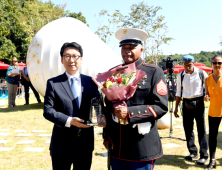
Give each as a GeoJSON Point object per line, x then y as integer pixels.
{"type": "Point", "coordinates": [112, 79]}
{"type": "Point", "coordinates": [107, 79]}
{"type": "Point", "coordinates": [119, 80]}
{"type": "Point", "coordinates": [104, 85]}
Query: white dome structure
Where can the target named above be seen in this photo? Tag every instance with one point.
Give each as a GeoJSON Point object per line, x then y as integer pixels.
{"type": "Point", "coordinates": [43, 56]}
{"type": "Point", "coordinates": [164, 121]}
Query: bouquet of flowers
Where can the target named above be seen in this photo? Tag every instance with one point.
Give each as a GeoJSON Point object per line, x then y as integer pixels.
{"type": "Point", "coordinates": [118, 80]}
{"type": "Point", "coordinates": [120, 83]}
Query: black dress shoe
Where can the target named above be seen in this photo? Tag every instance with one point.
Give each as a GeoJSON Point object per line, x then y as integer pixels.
{"type": "Point", "coordinates": [26, 104]}
{"type": "Point", "coordinates": [201, 161]}
{"type": "Point", "coordinates": [191, 156]}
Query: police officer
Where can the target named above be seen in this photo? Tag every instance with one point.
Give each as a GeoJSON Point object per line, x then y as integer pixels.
{"type": "Point", "coordinates": [192, 91]}
{"type": "Point", "coordinates": [130, 149]}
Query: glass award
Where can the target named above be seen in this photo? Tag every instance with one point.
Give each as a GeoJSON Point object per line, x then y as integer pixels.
{"type": "Point", "coordinates": [96, 117]}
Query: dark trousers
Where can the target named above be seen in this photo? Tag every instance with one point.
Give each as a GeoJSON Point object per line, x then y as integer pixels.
{"type": "Point", "coordinates": [195, 110]}
{"type": "Point", "coordinates": [80, 161]}
{"type": "Point", "coordinates": [118, 164]}
{"type": "Point", "coordinates": [28, 84]}
{"type": "Point", "coordinates": [214, 123]}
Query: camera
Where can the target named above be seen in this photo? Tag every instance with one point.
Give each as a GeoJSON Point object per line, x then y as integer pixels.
{"type": "Point", "coordinates": [171, 79]}
{"type": "Point", "coordinates": [171, 87]}
{"type": "Point", "coordinates": [169, 64]}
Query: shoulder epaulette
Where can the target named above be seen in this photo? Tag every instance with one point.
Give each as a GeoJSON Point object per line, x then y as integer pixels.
{"type": "Point", "coordinates": [149, 65]}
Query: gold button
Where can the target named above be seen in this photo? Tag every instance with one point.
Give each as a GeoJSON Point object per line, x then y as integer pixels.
{"type": "Point", "coordinates": [145, 111]}
{"type": "Point", "coordinates": [138, 112]}
{"type": "Point", "coordinates": [132, 113]}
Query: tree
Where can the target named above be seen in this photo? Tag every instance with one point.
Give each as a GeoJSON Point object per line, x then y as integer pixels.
{"type": "Point", "coordinates": [78, 16]}
{"type": "Point", "coordinates": [106, 31]}
{"type": "Point", "coordinates": [12, 35]}
{"type": "Point", "coordinates": [143, 17]}
{"type": "Point", "coordinates": [20, 20]}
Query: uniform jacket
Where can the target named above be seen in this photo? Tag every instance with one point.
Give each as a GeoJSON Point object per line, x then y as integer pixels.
{"type": "Point", "coordinates": [60, 104]}
{"type": "Point", "coordinates": [146, 105]}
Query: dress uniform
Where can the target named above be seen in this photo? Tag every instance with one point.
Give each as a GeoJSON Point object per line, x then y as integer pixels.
{"type": "Point", "coordinates": [149, 103]}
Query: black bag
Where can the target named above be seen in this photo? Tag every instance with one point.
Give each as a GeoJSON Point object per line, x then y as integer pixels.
{"type": "Point", "coordinates": [190, 104]}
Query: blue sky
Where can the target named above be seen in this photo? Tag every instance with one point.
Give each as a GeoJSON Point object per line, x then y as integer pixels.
{"type": "Point", "coordinates": [195, 25]}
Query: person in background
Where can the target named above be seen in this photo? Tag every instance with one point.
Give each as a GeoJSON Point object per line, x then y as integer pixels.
{"type": "Point", "coordinates": [190, 87]}
{"type": "Point", "coordinates": [27, 83]}
{"type": "Point", "coordinates": [12, 78]}
{"type": "Point", "coordinates": [3, 86]}
{"type": "Point", "coordinates": [213, 85]}
{"type": "Point", "coordinates": [19, 92]}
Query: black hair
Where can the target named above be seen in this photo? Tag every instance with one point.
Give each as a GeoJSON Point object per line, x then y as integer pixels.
{"type": "Point", "coordinates": [215, 57]}
{"type": "Point", "coordinates": [72, 44]}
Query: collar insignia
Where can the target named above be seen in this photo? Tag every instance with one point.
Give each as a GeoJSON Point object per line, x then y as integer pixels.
{"type": "Point", "coordinates": [145, 77]}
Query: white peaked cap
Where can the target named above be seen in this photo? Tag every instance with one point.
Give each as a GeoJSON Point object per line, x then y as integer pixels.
{"type": "Point", "coordinates": [131, 33]}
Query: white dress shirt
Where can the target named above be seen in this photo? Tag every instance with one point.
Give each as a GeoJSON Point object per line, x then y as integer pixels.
{"type": "Point", "coordinates": [192, 84]}
{"type": "Point", "coordinates": [78, 84]}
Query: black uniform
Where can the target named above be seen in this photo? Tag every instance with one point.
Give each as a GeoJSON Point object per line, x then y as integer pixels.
{"type": "Point", "coordinates": [148, 104]}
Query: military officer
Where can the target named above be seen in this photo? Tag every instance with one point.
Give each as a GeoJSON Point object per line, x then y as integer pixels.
{"type": "Point", "coordinates": [130, 149]}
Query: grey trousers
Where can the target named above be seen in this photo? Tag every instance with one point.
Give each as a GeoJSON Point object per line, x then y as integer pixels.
{"type": "Point", "coordinates": [12, 89]}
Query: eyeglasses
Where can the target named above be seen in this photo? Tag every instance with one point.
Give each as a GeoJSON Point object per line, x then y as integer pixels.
{"type": "Point", "coordinates": [214, 63]}
{"type": "Point", "coordinates": [68, 57]}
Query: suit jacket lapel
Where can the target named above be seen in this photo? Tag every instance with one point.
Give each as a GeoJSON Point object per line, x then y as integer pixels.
{"type": "Point", "coordinates": [83, 84]}
{"type": "Point", "coordinates": [67, 87]}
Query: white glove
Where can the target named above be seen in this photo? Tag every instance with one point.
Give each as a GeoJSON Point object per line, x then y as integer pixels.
{"type": "Point", "coordinates": [143, 128]}
{"type": "Point", "coordinates": [115, 119]}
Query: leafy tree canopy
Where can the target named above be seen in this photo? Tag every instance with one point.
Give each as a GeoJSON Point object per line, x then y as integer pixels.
{"type": "Point", "coordinates": [20, 20]}
{"type": "Point", "coordinates": [141, 16]}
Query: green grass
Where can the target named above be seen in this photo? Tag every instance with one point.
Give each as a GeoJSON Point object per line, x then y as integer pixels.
{"type": "Point", "coordinates": [30, 118]}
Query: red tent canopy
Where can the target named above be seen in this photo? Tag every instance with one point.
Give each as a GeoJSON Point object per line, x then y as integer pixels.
{"type": "Point", "coordinates": [205, 68]}
{"type": "Point", "coordinates": [3, 65]}
{"type": "Point", "coordinates": [21, 65]}
{"type": "Point", "coordinates": [176, 69]}
{"type": "Point", "coordinates": [178, 66]}
{"type": "Point", "coordinates": [198, 64]}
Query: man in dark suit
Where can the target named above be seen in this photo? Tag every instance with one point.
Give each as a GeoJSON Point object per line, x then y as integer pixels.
{"type": "Point", "coordinates": [67, 105]}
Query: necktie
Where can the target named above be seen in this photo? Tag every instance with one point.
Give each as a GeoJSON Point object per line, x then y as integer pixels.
{"type": "Point", "coordinates": [75, 90]}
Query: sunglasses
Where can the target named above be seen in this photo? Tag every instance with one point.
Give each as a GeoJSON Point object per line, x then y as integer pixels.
{"type": "Point", "coordinates": [214, 63]}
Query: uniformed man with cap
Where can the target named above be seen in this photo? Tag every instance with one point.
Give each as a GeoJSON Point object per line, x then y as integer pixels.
{"type": "Point", "coordinates": [130, 149]}
{"type": "Point", "coordinates": [190, 87]}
